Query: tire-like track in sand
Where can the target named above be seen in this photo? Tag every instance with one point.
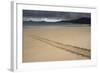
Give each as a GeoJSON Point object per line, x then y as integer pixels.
{"type": "Point", "coordinates": [69, 48]}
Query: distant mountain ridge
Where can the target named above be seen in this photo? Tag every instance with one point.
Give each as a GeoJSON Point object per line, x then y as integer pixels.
{"type": "Point", "coordinates": [82, 20]}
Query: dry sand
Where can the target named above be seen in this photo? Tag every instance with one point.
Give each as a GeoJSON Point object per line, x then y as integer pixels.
{"type": "Point", "coordinates": [35, 50]}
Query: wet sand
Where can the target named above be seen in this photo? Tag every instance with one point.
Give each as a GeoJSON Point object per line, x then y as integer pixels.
{"type": "Point", "coordinates": [36, 48]}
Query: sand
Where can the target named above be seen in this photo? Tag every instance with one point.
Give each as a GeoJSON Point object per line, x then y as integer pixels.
{"type": "Point", "coordinates": [35, 50]}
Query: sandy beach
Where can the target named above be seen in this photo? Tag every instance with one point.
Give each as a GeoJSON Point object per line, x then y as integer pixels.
{"type": "Point", "coordinates": [56, 43]}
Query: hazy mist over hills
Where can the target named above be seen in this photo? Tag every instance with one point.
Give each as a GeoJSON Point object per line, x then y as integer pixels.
{"type": "Point", "coordinates": [53, 16]}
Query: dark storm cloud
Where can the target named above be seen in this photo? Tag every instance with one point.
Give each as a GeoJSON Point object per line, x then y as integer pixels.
{"type": "Point", "coordinates": [54, 14]}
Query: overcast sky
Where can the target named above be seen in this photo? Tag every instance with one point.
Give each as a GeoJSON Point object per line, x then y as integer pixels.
{"type": "Point", "coordinates": [54, 14]}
